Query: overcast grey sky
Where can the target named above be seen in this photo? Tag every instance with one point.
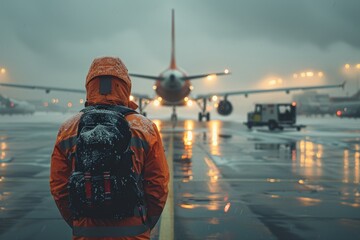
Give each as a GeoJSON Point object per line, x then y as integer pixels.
{"type": "Point", "coordinates": [53, 42]}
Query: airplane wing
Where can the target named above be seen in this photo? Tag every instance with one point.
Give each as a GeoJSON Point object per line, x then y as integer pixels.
{"type": "Point", "coordinates": [192, 77]}
{"type": "Point", "coordinates": [286, 90]}
{"type": "Point", "coordinates": [145, 76]}
{"type": "Point", "coordinates": [226, 72]}
{"type": "Point", "coordinates": [49, 89]}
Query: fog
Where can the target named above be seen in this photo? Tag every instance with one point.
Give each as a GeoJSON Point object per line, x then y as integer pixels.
{"type": "Point", "coordinates": [52, 43]}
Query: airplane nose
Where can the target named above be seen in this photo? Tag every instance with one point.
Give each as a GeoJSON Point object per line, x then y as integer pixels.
{"type": "Point", "coordinates": [172, 77]}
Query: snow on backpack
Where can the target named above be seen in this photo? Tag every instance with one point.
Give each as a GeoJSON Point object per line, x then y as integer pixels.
{"type": "Point", "coordinates": [103, 183]}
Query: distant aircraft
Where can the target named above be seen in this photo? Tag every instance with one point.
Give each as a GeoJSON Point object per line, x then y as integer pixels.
{"type": "Point", "coordinates": [348, 110]}
{"type": "Point", "coordinates": [347, 107]}
{"type": "Point", "coordinates": [313, 103]}
{"type": "Point", "coordinates": [11, 106]}
{"type": "Point", "coordinates": [173, 88]}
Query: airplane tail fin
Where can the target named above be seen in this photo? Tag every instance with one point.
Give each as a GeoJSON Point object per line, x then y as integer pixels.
{"type": "Point", "coordinates": [172, 62]}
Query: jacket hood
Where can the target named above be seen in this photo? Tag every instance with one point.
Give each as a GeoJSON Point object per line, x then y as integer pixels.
{"type": "Point", "coordinates": [120, 83]}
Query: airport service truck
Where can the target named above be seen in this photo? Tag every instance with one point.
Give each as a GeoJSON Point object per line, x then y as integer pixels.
{"type": "Point", "coordinates": [274, 116]}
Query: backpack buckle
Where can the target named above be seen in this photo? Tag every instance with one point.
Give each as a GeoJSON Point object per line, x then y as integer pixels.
{"type": "Point", "coordinates": [88, 188]}
{"type": "Point", "coordinates": [107, 186]}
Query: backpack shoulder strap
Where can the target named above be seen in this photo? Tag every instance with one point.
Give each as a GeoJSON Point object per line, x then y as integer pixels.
{"type": "Point", "coordinates": [117, 108]}
{"type": "Point", "coordinates": [86, 109]}
{"type": "Point", "coordinates": [124, 110]}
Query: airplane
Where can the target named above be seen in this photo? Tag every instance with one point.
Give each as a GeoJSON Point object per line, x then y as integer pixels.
{"type": "Point", "coordinates": [12, 106]}
{"type": "Point", "coordinates": [313, 103]}
{"type": "Point", "coordinates": [173, 88]}
{"type": "Point", "coordinates": [348, 109]}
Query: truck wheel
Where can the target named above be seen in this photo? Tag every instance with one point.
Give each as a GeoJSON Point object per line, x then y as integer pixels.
{"type": "Point", "coordinates": [272, 125]}
{"type": "Point", "coordinates": [249, 125]}
{"type": "Point", "coordinates": [298, 128]}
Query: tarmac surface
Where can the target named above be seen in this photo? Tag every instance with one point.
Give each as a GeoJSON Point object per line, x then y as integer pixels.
{"type": "Point", "coordinates": [227, 182]}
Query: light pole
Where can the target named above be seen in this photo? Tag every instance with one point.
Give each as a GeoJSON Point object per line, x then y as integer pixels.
{"type": "Point", "coordinates": [358, 75]}
{"type": "Point", "coordinates": [348, 67]}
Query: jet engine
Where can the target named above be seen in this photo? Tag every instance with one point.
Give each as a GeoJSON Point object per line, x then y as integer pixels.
{"type": "Point", "coordinates": [225, 108]}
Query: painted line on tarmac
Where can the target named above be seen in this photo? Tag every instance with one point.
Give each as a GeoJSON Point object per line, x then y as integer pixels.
{"type": "Point", "coordinates": [167, 218]}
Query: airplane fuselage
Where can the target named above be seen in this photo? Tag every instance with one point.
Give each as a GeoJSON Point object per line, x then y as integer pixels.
{"type": "Point", "coordinates": [173, 88]}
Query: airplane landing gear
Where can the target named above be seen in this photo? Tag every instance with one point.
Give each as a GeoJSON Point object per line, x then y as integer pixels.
{"type": "Point", "coordinates": [142, 104]}
{"type": "Point", "coordinates": [203, 113]}
{"type": "Point", "coordinates": [174, 115]}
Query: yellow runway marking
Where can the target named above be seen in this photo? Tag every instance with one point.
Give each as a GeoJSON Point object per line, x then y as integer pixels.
{"type": "Point", "coordinates": [167, 218]}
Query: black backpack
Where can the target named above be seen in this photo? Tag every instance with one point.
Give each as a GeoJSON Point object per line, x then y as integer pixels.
{"type": "Point", "coordinates": [103, 183]}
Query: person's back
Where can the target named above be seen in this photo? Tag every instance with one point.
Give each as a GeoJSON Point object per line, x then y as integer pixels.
{"type": "Point", "coordinates": [108, 84]}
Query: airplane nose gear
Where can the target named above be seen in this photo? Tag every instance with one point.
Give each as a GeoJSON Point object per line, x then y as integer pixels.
{"type": "Point", "coordinates": [173, 115]}
{"type": "Point", "coordinates": [142, 104]}
{"type": "Point", "coordinates": [203, 113]}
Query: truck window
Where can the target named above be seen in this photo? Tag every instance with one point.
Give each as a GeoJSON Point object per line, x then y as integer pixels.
{"type": "Point", "coordinates": [283, 109]}
{"type": "Point", "coordinates": [258, 109]}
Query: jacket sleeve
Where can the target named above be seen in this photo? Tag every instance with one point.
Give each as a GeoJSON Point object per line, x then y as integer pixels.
{"type": "Point", "coordinates": [156, 179]}
{"type": "Point", "coordinates": [60, 171]}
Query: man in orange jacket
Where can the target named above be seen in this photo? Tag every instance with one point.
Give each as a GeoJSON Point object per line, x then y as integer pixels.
{"type": "Point", "coordinates": [149, 161]}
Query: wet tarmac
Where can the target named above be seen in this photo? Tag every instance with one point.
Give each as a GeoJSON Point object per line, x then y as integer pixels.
{"type": "Point", "coordinates": [227, 182]}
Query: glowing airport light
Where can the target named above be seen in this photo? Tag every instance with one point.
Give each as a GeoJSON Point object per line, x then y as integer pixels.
{"type": "Point", "coordinates": [3, 70]}
{"type": "Point", "coordinates": [275, 81]}
{"type": "Point", "coordinates": [191, 88]}
{"type": "Point", "coordinates": [358, 66]}
{"type": "Point", "coordinates": [154, 87]}
{"type": "Point", "coordinates": [214, 98]}
{"type": "Point", "coordinates": [156, 103]}
{"type": "Point", "coordinates": [186, 99]}
{"type": "Point", "coordinates": [211, 77]}
{"type": "Point", "coordinates": [159, 99]}
{"type": "Point", "coordinates": [309, 74]}
{"type": "Point", "coordinates": [272, 82]}
{"type": "Point", "coordinates": [3, 146]}
{"type": "Point", "coordinates": [131, 98]}
{"type": "Point", "coordinates": [189, 103]}
{"type": "Point", "coordinates": [69, 104]}
{"type": "Point", "coordinates": [81, 101]}
{"type": "Point", "coordinates": [54, 100]}
{"type": "Point", "coordinates": [347, 66]}
{"type": "Point", "coordinates": [226, 71]}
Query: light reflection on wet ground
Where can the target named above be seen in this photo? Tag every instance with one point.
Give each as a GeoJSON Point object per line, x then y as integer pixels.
{"type": "Point", "coordinates": [229, 183]}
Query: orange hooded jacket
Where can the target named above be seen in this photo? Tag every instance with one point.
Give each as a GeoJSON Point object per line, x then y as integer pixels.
{"type": "Point", "coordinates": [149, 160]}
